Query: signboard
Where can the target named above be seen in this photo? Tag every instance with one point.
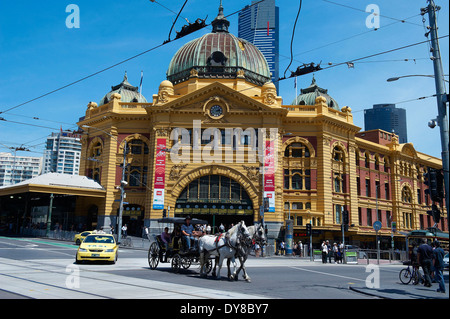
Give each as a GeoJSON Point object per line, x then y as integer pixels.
{"type": "Point", "coordinates": [160, 174]}
{"type": "Point", "coordinates": [377, 225]}
{"type": "Point", "coordinates": [269, 174]}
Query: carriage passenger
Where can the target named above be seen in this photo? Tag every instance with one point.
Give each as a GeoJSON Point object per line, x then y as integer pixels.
{"type": "Point", "coordinates": [165, 237]}
{"type": "Point", "coordinates": [187, 231]}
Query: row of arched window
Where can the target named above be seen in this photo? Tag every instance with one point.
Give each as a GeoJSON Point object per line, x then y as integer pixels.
{"type": "Point", "coordinates": [136, 171]}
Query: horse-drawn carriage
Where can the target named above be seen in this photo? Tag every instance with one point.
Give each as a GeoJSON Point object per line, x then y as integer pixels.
{"type": "Point", "coordinates": [175, 251]}
{"type": "Point", "coordinates": [235, 243]}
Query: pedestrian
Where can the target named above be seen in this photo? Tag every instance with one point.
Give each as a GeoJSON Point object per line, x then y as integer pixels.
{"type": "Point", "coordinates": [282, 248]}
{"type": "Point", "coordinates": [300, 249]}
{"type": "Point", "coordinates": [147, 235]}
{"type": "Point", "coordinates": [438, 260]}
{"type": "Point", "coordinates": [324, 248]}
{"type": "Point", "coordinates": [335, 253]}
{"type": "Point", "coordinates": [208, 229]}
{"type": "Point", "coordinates": [329, 251]}
{"type": "Point", "coordinates": [425, 259]}
{"type": "Point", "coordinates": [124, 231]}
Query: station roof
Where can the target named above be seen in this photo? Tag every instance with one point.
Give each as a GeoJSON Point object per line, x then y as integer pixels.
{"type": "Point", "coordinates": [56, 183]}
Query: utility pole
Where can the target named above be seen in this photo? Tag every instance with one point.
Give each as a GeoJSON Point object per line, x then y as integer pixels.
{"type": "Point", "coordinates": [123, 183]}
{"type": "Point", "coordinates": [442, 98]}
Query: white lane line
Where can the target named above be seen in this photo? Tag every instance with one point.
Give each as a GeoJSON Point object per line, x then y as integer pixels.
{"type": "Point", "coordinates": [328, 274]}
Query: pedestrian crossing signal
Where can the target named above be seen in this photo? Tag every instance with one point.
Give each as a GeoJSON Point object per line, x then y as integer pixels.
{"type": "Point", "coordinates": [308, 230]}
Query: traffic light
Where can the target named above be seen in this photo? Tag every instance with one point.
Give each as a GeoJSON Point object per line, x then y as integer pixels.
{"type": "Point", "coordinates": [345, 219]}
{"type": "Point", "coordinates": [308, 230]}
{"type": "Point", "coordinates": [433, 179]}
{"type": "Point", "coordinates": [435, 213]}
{"type": "Point", "coordinates": [266, 204]}
{"type": "Point", "coordinates": [440, 185]}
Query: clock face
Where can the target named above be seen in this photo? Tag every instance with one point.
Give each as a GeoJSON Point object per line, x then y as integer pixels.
{"type": "Point", "coordinates": [216, 110]}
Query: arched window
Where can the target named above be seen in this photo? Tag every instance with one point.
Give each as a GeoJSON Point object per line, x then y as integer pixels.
{"type": "Point", "coordinates": [367, 160]}
{"type": "Point", "coordinates": [136, 174]}
{"type": "Point", "coordinates": [406, 195]}
{"type": "Point", "coordinates": [338, 154]}
{"type": "Point", "coordinates": [386, 164]}
{"type": "Point", "coordinates": [297, 150]}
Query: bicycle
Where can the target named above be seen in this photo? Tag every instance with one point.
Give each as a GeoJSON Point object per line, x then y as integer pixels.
{"type": "Point", "coordinates": [413, 273]}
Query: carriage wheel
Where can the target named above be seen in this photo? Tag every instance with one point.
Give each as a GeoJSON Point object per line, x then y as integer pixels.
{"type": "Point", "coordinates": [176, 263]}
{"type": "Point", "coordinates": [185, 262]}
{"type": "Point", "coordinates": [153, 256]}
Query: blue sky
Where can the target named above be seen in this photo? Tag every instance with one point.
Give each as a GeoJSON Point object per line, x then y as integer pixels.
{"type": "Point", "coordinates": [38, 54]}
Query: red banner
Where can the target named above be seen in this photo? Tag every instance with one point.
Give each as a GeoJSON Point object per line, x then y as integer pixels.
{"type": "Point", "coordinates": [160, 174]}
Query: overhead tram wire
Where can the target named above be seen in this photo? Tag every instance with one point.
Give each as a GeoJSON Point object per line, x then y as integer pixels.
{"type": "Point", "coordinates": [292, 38]}
{"type": "Point", "coordinates": [352, 36]}
{"type": "Point", "coordinates": [106, 69]}
{"type": "Point", "coordinates": [382, 16]}
{"type": "Point", "coordinates": [381, 53]}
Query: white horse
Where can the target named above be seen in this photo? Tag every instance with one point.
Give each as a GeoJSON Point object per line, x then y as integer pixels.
{"type": "Point", "coordinates": [222, 246]}
{"type": "Point", "coordinates": [258, 235]}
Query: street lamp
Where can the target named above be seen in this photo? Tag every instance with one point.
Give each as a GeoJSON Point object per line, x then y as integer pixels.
{"type": "Point", "coordinates": [396, 78]}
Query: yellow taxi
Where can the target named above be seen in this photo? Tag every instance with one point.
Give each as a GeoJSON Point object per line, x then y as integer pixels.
{"type": "Point", "coordinates": [78, 238]}
{"type": "Point", "coordinates": [98, 247]}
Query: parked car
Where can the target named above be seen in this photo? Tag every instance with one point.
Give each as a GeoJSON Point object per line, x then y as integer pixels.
{"type": "Point", "coordinates": [78, 238]}
{"type": "Point", "coordinates": [96, 247]}
{"type": "Point", "coordinates": [446, 261]}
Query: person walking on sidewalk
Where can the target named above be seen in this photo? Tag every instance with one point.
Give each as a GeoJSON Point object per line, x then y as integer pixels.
{"type": "Point", "coordinates": [324, 248]}
{"type": "Point", "coordinates": [425, 259]}
{"type": "Point", "coordinates": [438, 254]}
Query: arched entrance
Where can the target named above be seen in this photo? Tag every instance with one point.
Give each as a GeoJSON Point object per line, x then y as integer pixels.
{"type": "Point", "coordinates": [216, 198]}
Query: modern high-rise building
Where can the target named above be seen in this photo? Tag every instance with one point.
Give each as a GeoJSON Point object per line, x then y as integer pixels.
{"type": "Point", "coordinates": [62, 153]}
{"type": "Point", "coordinates": [15, 168]}
{"type": "Point", "coordinates": [388, 118]}
{"type": "Point", "coordinates": [259, 24]}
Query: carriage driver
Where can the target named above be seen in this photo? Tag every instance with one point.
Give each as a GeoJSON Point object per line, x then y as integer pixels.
{"type": "Point", "coordinates": [187, 230]}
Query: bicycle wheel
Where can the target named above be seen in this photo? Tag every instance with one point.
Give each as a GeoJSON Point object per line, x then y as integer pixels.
{"type": "Point", "coordinates": [416, 277]}
{"type": "Point", "coordinates": [405, 276]}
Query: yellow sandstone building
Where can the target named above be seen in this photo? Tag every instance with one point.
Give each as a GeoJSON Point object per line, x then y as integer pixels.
{"type": "Point", "coordinates": [198, 148]}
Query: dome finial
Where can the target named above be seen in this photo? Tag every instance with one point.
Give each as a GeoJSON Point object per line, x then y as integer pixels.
{"type": "Point", "coordinates": [220, 23]}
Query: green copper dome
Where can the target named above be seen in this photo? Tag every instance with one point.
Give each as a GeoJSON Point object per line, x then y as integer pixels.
{"type": "Point", "coordinates": [308, 96]}
{"type": "Point", "coordinates": [219, 54]}
{"type": "Point", "coordinates": [127, 92]}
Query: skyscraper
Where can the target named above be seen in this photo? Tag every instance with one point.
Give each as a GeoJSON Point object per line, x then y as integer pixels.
{"type": "Point", "coordinates": [62, 153]}
{"type": "Point", "coordinates": [259, 24]}
{"type": "Point", "coordinates": [388, 118]}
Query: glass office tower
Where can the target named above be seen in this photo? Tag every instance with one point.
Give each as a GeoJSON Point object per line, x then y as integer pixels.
{"type": "Point", "coordinates": [388, 118]}
{"type": "Point", "coordinates": [259, 24]}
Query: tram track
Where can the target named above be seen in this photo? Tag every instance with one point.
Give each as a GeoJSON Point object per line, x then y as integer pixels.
{"type": "Point", "coordinates": [115, 285]}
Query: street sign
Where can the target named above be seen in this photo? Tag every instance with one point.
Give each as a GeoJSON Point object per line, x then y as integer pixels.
{"type": "Point", "coordinates": [377, 225]}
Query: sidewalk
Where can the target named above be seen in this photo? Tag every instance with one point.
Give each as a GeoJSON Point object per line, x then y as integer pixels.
{"type": "Point", "coordinates": [401, 291]}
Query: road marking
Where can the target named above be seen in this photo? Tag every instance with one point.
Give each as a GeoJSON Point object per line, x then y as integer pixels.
{"type": "Point", "coordinates": [328, 274]}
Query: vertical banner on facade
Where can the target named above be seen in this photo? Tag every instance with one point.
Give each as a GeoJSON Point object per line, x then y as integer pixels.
{"type": "Point", "coordinates": [160, 174]}
{"type": "Point", "coordinates": [269, 174]}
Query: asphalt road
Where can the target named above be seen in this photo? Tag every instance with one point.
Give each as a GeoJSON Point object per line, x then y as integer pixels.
{"type": "Point", "coordinates": [45, 269]}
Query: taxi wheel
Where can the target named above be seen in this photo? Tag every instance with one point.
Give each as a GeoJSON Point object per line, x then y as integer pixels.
{"type": "Point", "coordinates": [115, 258]}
